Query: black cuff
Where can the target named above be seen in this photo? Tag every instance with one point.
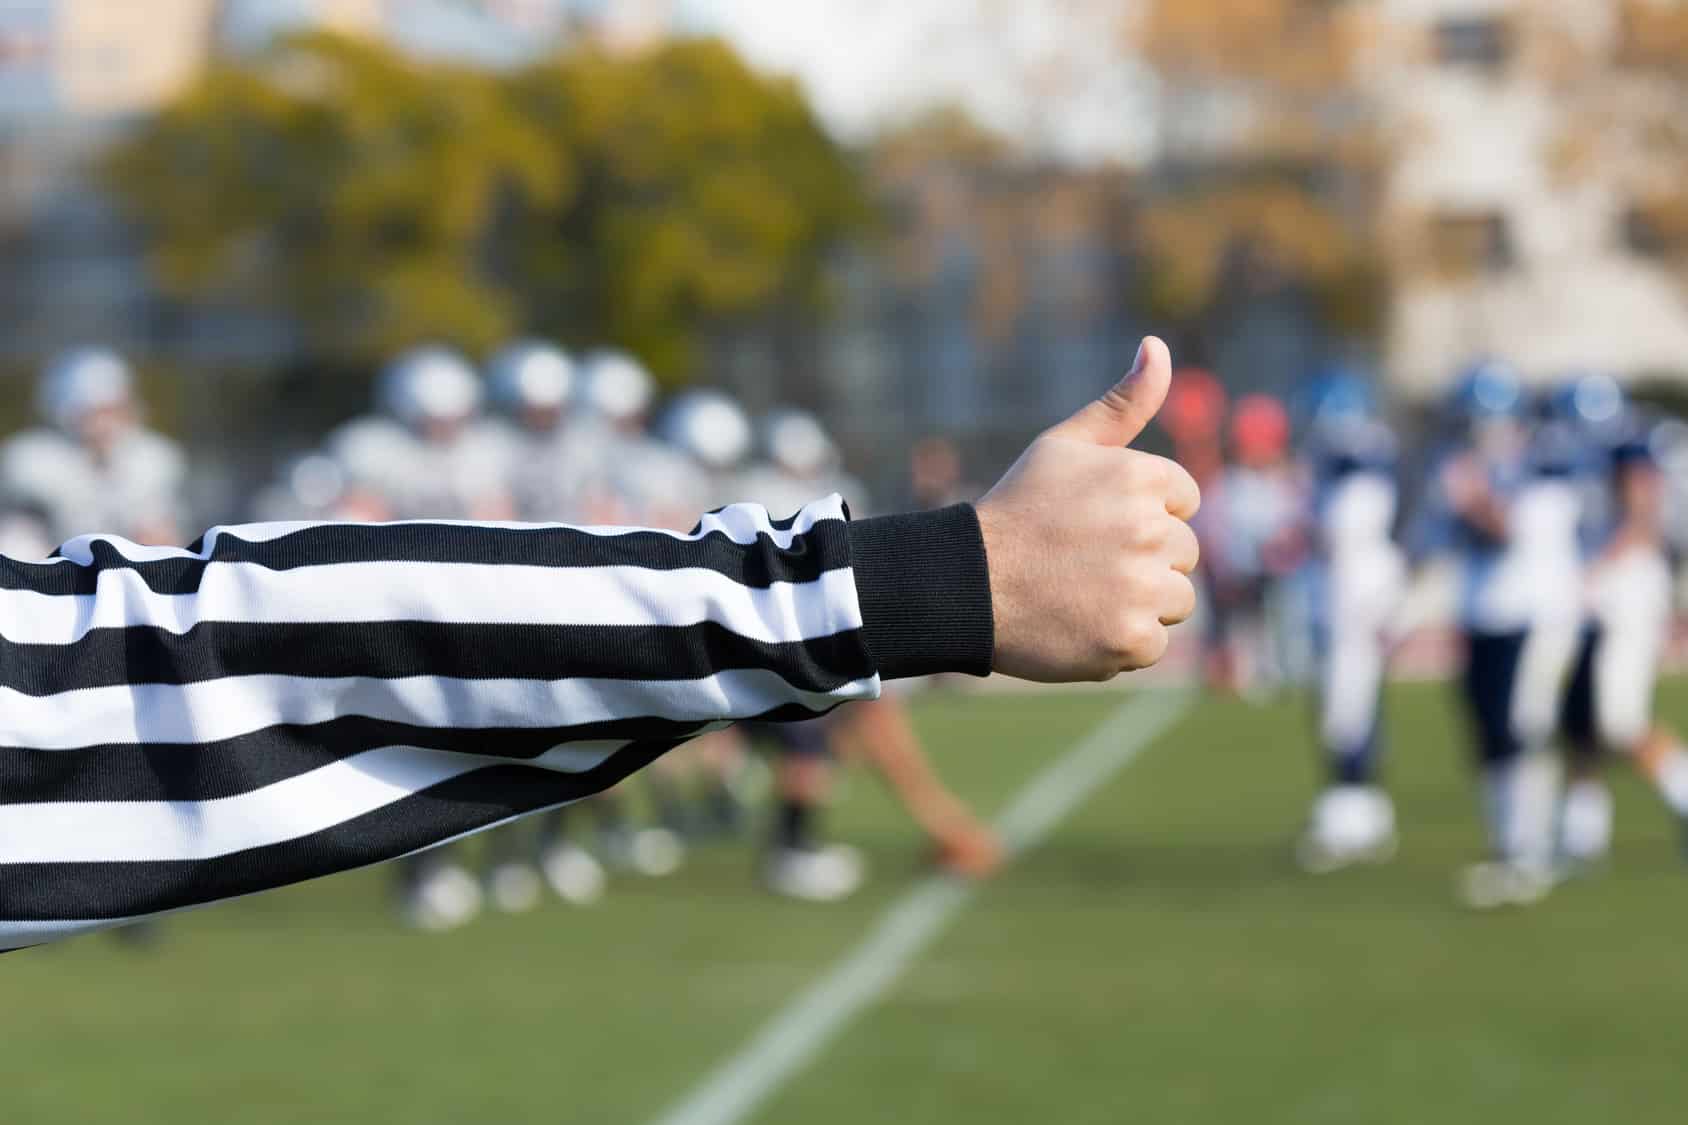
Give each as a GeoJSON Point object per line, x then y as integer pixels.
{"type": "Point", "coordinates": [925, 592]}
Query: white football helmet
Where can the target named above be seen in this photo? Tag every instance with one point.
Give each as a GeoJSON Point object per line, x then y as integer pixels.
{"type": "Point", "coordinates": [82, 381]}
{"type": "Point", "coordinates": [531, 375]}
{"type": "Point", "coordinates": [618, 386]}
{"type": "Point", "coordinates": [708, 426]}
{"type": "Point", "coordinates": [795, 442]}
{"type": "Point", "coordinates": [429, 384]}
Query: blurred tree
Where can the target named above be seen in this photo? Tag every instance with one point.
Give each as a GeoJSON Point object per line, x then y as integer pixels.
{"type": "Point", "coordinates": [1271, 160]}
{"type": "Point", "coordinates": [706, 192]}
{"type": "Point", "coordinates": [343, 186]}
{"type": "Point", "coordinates": [376, 200]}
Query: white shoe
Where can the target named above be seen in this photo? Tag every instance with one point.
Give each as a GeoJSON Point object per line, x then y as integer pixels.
{"type": "Point", "coordinates": [1585, 823]}
{"type": "Point", "coordinates": [1350, 825]}
{"type": "Point", "coordinates": [643, 851]}
{"type": "Point", "coordinates": [514, 888]}
{"type": "Point", "coordinates": [814, 875]}
{"type": "Point", "coordinates": [656, 852]}
{"type": "Point", "coordinates": [573, 874]}
{"type": "Point", "coordinates": [1493, 885]}
{"type": "Point", "coordinates": [443, 899]}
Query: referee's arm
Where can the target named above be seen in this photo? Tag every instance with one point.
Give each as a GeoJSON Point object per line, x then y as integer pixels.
{"type": "Point", "coordinates": [285, 701]}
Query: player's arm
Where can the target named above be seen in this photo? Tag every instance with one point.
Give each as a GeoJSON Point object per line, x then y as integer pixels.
{"type": "Point", "coordinates": [286, 701]}
{"type": "Point", "coordinates": [1473, 501]}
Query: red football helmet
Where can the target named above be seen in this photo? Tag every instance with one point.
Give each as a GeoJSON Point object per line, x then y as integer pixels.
{"type": "Point", "coordinates": [1259, 429]}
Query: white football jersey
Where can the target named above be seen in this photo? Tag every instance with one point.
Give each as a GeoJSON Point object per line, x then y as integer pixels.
{"type": "Point", "coordinates": [783, 493]}
{"type": "Point", "coordinates": [420, 479]}
{"type": "Point", "coordinates": [136, 488]}
{"type": "Point", "coordinates": [1537, 578]}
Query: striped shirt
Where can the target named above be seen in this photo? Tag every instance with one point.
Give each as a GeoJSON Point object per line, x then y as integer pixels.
{"type": "Point", "coordinates": [283, 701]}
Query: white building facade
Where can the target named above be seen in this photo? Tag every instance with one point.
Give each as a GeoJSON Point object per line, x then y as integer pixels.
{"type": "Point", "coordinates": [1504, 239]}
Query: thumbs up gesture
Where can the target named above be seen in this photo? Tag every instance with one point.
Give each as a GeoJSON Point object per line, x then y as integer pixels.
{"type": "Point", "coordinates": [1088, 541]}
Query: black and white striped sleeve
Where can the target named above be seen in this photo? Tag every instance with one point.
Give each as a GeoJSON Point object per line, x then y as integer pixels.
{"type": "Point", "coordinates": [284, 701]}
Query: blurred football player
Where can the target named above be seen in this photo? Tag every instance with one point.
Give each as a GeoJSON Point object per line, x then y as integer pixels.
{"type": "Point", "coordinates": [427, 453]}
{"type": "Point", "coordinates": [1257, 540]}
{"type": "Point", "coordinates": [799, 457]}
{"type": "Point", "coordinates": [94, 465]}
{"type": "Point", "coordinates": [551, 461]}
{"type": "Point", "coordinates": [935, 475]}
{"type": "Point", "coordinates": [566, 423]}
{"type": "Point", "coordinates": [1512, 514]}
{"type": "Point", "coordinates": [595, 458]}
{"type": "Point", "coordinates": [308, 486]}
{"type": "Point", "coordinates": [1194, 417]}
{"type": "Point", "coordinates": [564, 470]}
{"type": "Point", "coordinates": [1609, 703]}
{"type": "Point", "coordinates": [1357, 576]}
{"type": "Point", "coordinates": [643, 478]}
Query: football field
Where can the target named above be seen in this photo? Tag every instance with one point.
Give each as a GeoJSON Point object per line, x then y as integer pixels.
{"type": "Point", "coordinates": [1156, 958]}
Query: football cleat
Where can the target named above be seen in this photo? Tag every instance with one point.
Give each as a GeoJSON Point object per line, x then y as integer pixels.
{"type": "Point", "coordinates": [572, 874]}
{"type": "Point", "coordinates": [1351, 825]}
{"type": "Point", "coordinates": [826, 874]}
{"type": "Point", "coordinates": [513, 888]}
{"type": "Point", "coordinates": [442, 899]}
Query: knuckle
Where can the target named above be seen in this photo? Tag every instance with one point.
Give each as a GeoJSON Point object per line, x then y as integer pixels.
{"type": "Point", "coordinates": [1181, 601]}
{"type": "Point", "coordinates": [1146, 530]}
{"type": "Point", "coordinates": [1186, 548]}
{"type": "Point", "coordinates": [1136, 639]}
{"type": "Point", "coordinates": [1157, 646]}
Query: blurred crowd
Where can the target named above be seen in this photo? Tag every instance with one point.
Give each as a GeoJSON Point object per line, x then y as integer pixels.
{"type": "Point", "coordinates": [535, 437]}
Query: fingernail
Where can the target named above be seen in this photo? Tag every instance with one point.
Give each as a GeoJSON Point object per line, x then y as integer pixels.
{"type": "Point", "coordinates": [1137, 364]}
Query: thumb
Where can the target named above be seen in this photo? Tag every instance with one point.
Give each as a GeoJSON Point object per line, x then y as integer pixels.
{"type": "Point", "coordinates": [1126, 408]}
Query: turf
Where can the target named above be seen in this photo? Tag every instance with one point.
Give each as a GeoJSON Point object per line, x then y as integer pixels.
{"type": "Point", "coordinates": [1157, 960]}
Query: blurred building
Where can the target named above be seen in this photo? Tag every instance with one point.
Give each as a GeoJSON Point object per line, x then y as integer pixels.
{"type": "Point", "coordinates": [72, 73]}
{"type": "Point", "coordinates": [84, 58]}
{"type": "Point", "coordinates": [1502, 240]}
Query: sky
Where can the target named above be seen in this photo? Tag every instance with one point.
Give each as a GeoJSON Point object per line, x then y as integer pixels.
{"type": "Point", "coordinates": [871, 62]}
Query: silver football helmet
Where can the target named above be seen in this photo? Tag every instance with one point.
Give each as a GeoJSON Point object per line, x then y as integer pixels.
{"type": "Point", "coordinates": [82, 381]}
{"type": "Point", "coordinates": [618, 386]}
{"type": "Point", "coordinates": [429, 384]}
{"type": "Point", "coordinates": [531, 375]}
{"type": "Point", "coordinates": [709, 427]}
{"type": "Point", "coordinates": [796, 443]}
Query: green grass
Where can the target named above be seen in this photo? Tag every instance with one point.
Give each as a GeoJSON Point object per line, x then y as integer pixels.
{"type": "Point", "coordinates": [1158, 960]}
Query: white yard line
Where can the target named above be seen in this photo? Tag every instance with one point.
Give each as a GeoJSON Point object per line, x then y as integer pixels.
{"type": "Point", "coordinates": [803, 1028]}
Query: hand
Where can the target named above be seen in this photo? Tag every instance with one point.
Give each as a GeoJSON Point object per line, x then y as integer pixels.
{"type": "Point", "coordinates": [1088, 542]}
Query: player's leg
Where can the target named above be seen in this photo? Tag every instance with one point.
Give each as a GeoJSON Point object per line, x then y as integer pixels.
{"type": "Point", "coordinates": [797, 864]}
{"type": "Point", "coordinates": [718, 765]}
{"type": "Point", "coordinates": [436, 892]}
{"type": "Point", "coordinates": [1517, 788]}
{"type": "Point", "coordinates": [1663, 760]}
{"type": "Point", "coordinates": [627, 845]}
{"type": "Point", "coordinates": [666, 783]}
{"type": "Point", "coordinates": [1585, 820]}
{"type": "Point", "coordinates": [1625, 675]}
{"type": "Point", "coordinates": [1353, 819]}
{"type": "Point", "coordinates": [512, 885]}
{"type": "Point", "coordinates": [880, 734]}
{"type": "Point", "coordinates": [573, 873]}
